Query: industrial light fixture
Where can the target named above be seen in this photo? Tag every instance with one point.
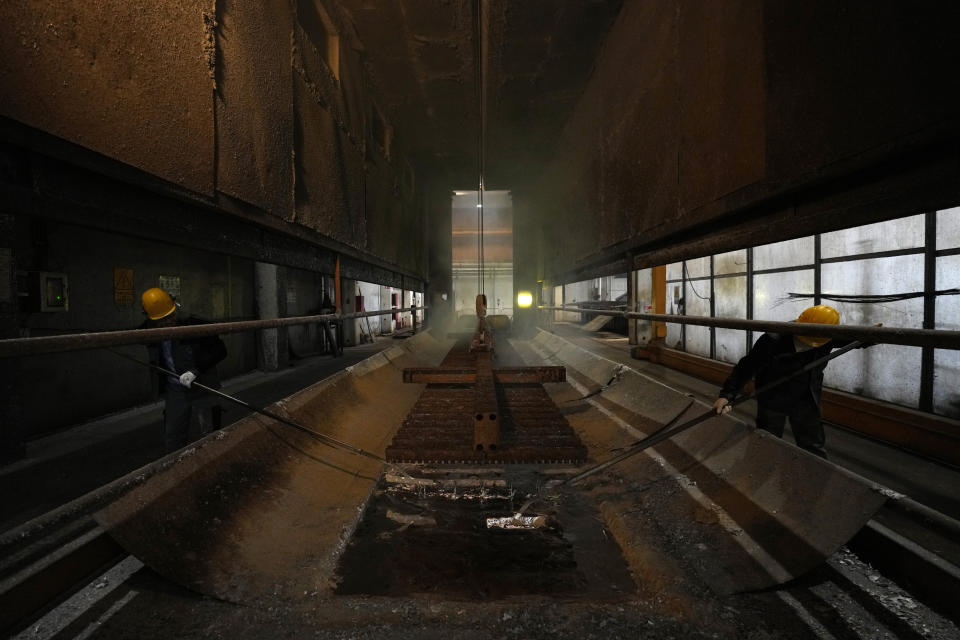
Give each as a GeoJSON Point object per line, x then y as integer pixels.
{"type": "Point", "coordinates": [524, 299]}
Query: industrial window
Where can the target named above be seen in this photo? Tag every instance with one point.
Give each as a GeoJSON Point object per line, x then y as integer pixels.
{"type": "Point", "coordinates": [612, 289]}
{"type": "Point", "coordinates": [918, 255]}
{"type": "Point", "coordinates": [607, 292]}
{"type": "Point", "coordinates": [948, 229]}
{"type": "Point", "coordinates": [320, 28]}
{"type": "Point", "coordinates": [946, 369]}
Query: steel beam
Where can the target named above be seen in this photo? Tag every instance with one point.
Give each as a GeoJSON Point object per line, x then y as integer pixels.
{"type": "Point", "coordinates": [124, 199]}
{"type": "Point", "coordinates": [80, 341]}
{"type": "Point", "coordinates": [486, 419]}
{"type": "Point", "coordinates": [937, 338]}
{"type": "Point", "coordinates": [501, 375]}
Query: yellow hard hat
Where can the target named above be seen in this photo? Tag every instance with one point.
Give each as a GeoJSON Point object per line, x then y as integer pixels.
{"type": "Point", "coordinates": [820, 314]}
{"type": "Point", "coordinates": [157, 303]}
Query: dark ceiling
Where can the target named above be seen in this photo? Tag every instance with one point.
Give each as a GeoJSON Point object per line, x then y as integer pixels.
{"type": "Point", "coordinates": [540, 54]}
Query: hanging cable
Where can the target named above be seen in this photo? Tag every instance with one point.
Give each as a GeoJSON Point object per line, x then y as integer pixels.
{"type": "Point", "coordinates": [483, 265]}
{"type": "Point", "coordinates": [480, 69]}
{"type": "Point", "coordinates": [867, 299]}
{"type": "Point", "coordinates": [690, 282]}
{"type": "Point", "coordinates": [323, 438]}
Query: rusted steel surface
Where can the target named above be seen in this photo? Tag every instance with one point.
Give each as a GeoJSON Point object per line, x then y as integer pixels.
{"type": "Point", "coordinates": [441, 426]}
{"type": "Point", "coordinates": [486, 418]}
{"type": "Point", "coordinates": [80, 341]}
{"type": "Point", "coordinates": [515, 375]}
{"type": "Point", "coordinates": [460, 356]}
{"type": "Point", "coordinates": [501, 375]}
{"type": "Point", "coordinates": [257, 512]}
{"type": "Point", "coordinates": [437, 375]}
{"type": "Point", "coordinates": [780, 510]}
{"type": "Point", "coordinates": [938, 338]}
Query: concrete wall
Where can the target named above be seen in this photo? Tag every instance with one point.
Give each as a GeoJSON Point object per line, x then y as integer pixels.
{"type": "Point", "coordinates": [725, 125]}
{"type": "Point", "coordinates": [440, 245]}
{"type": "Point", "coordinates": [65, 389]}
{"type": "Point", "coordinates": [193, 139]}
{"type": "Point", "coordinates": [112, 75]}
{"type": "Point", "coordinates": [253, 98]}
{"type": "Point", "coordinates": [304, 293]}
{"type": "Point", "coordinates": [229, 102]}
{"type": "Point", "coordinates": [370, 326]}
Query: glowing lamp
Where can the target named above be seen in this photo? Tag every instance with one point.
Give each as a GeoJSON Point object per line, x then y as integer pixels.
{"type": "Point", "coordinates": [524, 299]}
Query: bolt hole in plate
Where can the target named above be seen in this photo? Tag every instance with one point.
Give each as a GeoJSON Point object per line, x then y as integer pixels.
{"type": "Point", "coordinates": [436, 540]}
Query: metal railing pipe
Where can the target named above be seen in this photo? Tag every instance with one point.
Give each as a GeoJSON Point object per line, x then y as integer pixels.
{"type": "Point", "coordinates": [79, 341]}
{"type": "Point", "coordinates": [937, 338]}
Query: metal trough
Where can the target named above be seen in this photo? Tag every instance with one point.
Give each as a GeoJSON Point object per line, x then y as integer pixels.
{"type": "Point", "coordinates": [747, 509]}
{"type": "Point", "coordinates": [258, 511]}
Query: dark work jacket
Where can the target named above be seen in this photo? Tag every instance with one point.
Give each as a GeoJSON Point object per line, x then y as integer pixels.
{"type": "Point", "coordinates": [772, 357]}
{"type": "Point", "coordinates": [200, 355]}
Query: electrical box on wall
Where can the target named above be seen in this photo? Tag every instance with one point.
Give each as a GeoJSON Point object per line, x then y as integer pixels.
{"type": "Point", "coordinates": [43, 291]}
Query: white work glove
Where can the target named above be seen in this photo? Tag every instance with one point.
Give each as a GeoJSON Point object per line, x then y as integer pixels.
{"type": "Point", "coordinates": [187, 378]}
{"type": "Point", "coordinates": [722, 405]}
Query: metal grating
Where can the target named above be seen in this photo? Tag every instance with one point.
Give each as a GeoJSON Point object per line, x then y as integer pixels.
{"type": "Point", "coordinates": [440, 427]}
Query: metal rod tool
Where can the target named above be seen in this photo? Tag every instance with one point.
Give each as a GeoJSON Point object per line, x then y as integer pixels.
{"type": "Point", "coordinates": [666, 432]}
{"type": "Point", "coordinates": [321, 437]}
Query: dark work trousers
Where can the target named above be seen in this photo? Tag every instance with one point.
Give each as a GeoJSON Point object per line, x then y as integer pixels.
{"type": "Point", "coordinates": [180, 404]}
{"type": "Point", "coordinates": [805, 422]}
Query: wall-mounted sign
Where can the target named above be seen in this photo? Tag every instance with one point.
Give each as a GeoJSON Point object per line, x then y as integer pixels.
{"type": "Point", "coordinates": [123, 287]}
{"type": "Point", "coordinates": [170, 284]}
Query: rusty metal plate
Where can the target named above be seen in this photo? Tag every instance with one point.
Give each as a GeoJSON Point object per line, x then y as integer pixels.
{"type": "Point", "coordinates": [486, 410]}
{"type": "Point", "coordinates": [502, 375]}
{"type": "Point", "coordinates": [442, 426]}
{"type": "Point", "coordinates": [125, 80]}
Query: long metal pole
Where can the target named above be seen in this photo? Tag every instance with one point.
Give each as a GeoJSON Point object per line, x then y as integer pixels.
{"type": "Point", "coordinates": [938, 338]}
{"type": "Point", "coordinates": [667, 431]}
{"type": "Point", "coordinates": [79, 341]}
{"type": "Point", "coordinates": [320, 437]}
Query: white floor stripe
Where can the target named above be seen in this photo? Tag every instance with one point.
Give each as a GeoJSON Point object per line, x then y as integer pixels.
{"type": "Point", "coordinates": [815, 625]}
{"type": "Point", "coordinates": [76, 605]}
{"type": "Point", "coordinates": [116, 606]}
{"type": "Point", "coordinates": [773, 568]}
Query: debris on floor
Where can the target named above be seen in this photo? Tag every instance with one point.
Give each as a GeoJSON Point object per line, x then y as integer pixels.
{"type": "Point", "coordinates": [517, 521]}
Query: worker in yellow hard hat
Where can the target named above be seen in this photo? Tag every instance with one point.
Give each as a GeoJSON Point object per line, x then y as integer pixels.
{"type": "Point", "coordinates": [188, 360]}
{"type": "Point", "coordinates": [778, 355]}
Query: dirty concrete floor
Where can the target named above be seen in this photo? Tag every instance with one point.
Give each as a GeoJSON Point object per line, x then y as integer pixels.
{"type": "Point", "coordinates": [844, 598]}
{"type": "Point", "coordinates": [450, 550]}
{"type": "Point", "coordinates": [414, 570]}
